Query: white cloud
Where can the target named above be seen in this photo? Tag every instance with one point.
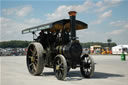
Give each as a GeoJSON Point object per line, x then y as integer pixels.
{"type": "Point", "coordinates": [99, 4]}
{"type": "Point", "coordinates": [18, 11]}
{"type": "Point", "coordinates": [33, 21]}
{"type": "Point", "coordinates": [121, 23]}
{"type": "Point", "coordinates": [105, 4]}
{"type": "Point", "coordinates": [126, 26]}
{"type": "Point", "coordinates": [87, 6]}
{"type": "Point", "coordinates": [9, 11]}
{"type": "Point", "coordinates": [61, 11]}
{"type": "Point", "coordinates": [3, 20]}
{"type": "Point", "coordinates": [24, 11]}
{"type": "Point", "coordinates": [102, 17]}
{"type": "Point", "coordinates": [11, 30]}
{"type": "Point", "coordinates": [116, 32]}
{"type": "Point", "coordinates": [106, 14]}
{"type": "Point", "coordinates": [121, 27]}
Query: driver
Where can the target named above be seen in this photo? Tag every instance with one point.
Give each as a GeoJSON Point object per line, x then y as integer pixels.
{"type": "Point", "coordinates": [42, 38]}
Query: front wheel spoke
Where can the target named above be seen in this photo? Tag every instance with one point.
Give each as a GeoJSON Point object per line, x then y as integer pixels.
{"type": "Point", "coordinates": [62, 69]}
{"type": "Point", "coordinates": [61, 63]}
{"type": "Point", "coordinates": [60, 74]}
{"type": "Point", "coordinates": [36, 60]}
{"type": "Point", "coordinates": [30, 65]}
{"type": "Point", "coordinates": [34, 67]}
{"type": "Point", "coordinates": [35, 63]}
{"type": "Point", "coordinates": [57, 62]}
{"type": "Point", "coordinates": [33, 70]}
{"type": "Point", "coordinates": [57, 72]}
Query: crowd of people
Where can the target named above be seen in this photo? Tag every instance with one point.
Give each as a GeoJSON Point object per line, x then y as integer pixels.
{"type": "Point", "coordinates": [97, 51]}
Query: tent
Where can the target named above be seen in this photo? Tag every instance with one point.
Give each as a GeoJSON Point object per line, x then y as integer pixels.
{"type": "Point", "coordinates": [119, 49]}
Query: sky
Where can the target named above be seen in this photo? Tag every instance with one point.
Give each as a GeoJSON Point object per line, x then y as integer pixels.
{"type": "Point", "coordinates": [106, 19]}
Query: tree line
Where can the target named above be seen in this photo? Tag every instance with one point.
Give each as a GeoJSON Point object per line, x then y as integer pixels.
{"type": "Point", "coordinates": [88, 44]}
{"type": "Point", "coordinates": [14, 44]}
{"type": "Point", "coordinates": [24, 44]}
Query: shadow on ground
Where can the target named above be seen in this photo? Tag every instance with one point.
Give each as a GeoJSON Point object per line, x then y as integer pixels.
{"type": "Point", "coordinates": [101, 75]}
{"type": "Point", "coordinates": [76, 75]}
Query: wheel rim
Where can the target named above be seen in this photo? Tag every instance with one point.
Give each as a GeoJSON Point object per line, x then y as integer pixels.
{"type": "Point", "coordinates": [87, 67]}
{"type": "Point", "coordinates": [32, 59]}
{"type": "Point", "coordinates": [60, 68]}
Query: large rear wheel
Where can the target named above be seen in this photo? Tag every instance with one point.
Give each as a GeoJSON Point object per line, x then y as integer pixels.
{"type": "Point", "coordinates": [87, 66]}
{"type": "Point", "coordinates": [34, 59]}
{"type": "Point", "coordinates": [60, 67]}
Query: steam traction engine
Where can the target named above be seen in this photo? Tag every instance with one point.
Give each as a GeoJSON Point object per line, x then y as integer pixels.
{"type": "Point", "coordinates": [57, 47]}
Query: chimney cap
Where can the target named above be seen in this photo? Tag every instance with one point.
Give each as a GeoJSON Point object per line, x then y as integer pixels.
{"type": "Point", "coordinates": [72, 13]}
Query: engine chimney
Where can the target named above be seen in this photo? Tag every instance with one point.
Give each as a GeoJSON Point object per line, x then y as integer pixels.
{"type": "Point", "coordinates": [72, 15]}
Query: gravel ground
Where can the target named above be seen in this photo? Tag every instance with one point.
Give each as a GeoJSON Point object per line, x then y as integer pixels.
{"type": "Point", "coordinates": [109, 70]}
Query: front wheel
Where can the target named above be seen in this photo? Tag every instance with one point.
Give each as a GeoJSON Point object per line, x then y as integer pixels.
{"type": "Point", "coordinates": [87, 66]}
{"type": "Point", "coordinates": [60, 67]}
{"type": "Point", "coordinates": [34, 59]}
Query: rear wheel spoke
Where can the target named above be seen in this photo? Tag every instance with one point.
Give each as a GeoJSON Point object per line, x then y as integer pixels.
{"type": "Point", "coordinates": [87, 67]}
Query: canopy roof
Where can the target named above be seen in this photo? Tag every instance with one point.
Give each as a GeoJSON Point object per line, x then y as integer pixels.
{"type": "Point", "coordinates": [55, 26]}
